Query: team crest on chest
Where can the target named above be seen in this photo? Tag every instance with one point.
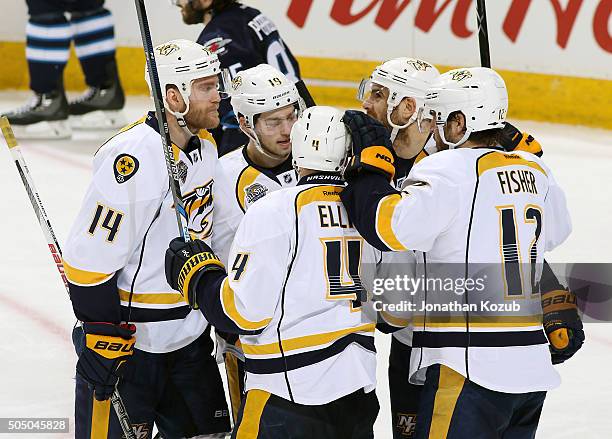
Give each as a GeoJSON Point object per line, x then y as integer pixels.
{"type": "Point", "coordinates": [254, 192]}
{"type": "Point", "coordinates": [199, 208]}
{"type": "Point", "coordinates": [125, 167]}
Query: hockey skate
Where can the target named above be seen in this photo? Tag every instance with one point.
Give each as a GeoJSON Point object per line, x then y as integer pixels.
{"type": "Point", "coordinates": [45, 116]}
{"type": "Point", "coordinates": [98, 109]}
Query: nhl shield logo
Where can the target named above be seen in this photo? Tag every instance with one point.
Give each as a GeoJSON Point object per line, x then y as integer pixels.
{"type": "Point", "coordinates": [460, 75]}
{"type": "Point", "coordinates": [167, 49]}
{"type": "Point", "coordinates": [125, 167]}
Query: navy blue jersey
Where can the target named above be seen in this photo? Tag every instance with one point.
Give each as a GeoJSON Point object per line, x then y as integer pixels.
{"type": "Point", "coordinates": [243, 37]}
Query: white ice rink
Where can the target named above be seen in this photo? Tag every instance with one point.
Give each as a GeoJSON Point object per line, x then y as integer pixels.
{"type": "Point", "coordinates": [36, 355]}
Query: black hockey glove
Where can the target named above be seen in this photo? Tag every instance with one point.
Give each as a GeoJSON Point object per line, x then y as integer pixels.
{"type": "Point", "coordinates": [186, 262]}
{"type": "Point", "coordinates": [562, 324]}
{"type": "Point", "coordinates": [372, 148]}
{"type": "Point", "coordinates": [512, 139]}
{"type": "Point", "coordinates": [102, 361]}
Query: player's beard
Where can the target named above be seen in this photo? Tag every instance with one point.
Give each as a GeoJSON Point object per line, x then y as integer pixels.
{"type": "Point", "coordinates": [192, 15]}
{"type": "Point", "coordinates": [199, 119]}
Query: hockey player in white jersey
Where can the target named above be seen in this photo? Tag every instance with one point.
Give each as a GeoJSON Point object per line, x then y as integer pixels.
{"type": "Point", "coordinates": [113, 261]}
{"type": "Point", "coordinates": [462, 206]}
{"type": "Point", "coordinates": [293, 292]}
{"type": "Point", "coordinates": [267, 104]}
{"type": "Point", "coordinates": [393, 95]}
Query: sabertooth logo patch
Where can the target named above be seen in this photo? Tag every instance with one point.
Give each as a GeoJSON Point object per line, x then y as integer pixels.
{"type": "Point", "coordinates": [125, 167]}
{"type": "Point", "coordinates": [460, 75]}
{"type": "Point", "coordinates": [199, 207]}
{"type": "Point", "coordinates": [167, 49]}
{"type": "Point", "coordinates": [420, 65]}
{"type": "Point", "coordinates": [254, 192]}
{"type": "Point", "coordinates": [236, 82]}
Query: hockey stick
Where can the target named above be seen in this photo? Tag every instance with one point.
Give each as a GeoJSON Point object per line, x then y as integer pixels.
{"type": "Point", "coordinates": [160, 112]}
{"type": "Point", "coordinates": [54, 248]}
{"type": "Point", "coordinates": [305, 93]}
{"type": "Point", "coordinates": [483, 34]}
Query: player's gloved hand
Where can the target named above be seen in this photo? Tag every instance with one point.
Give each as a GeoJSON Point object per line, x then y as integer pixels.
{"type": "Point", "coordinates": [107, 349]}
{"type": "Point", "coordinates": [512, 139]}
{"type": "Point", "coordinates": [186, 262]}
{"type": "Point", "coordinates": [562, 324]}
{"type": "Point", "coordinates": [372, 148]}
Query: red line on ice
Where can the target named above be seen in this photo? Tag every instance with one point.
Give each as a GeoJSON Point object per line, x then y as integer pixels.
{"type": "Point", "coordinates": [50, 326]}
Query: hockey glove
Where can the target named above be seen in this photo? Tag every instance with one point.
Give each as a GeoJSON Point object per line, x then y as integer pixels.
{"type": "Point", "coordinates": [512, 139]}
{"type": "Point", "coordinates": [102, 361]}
{"type": "Point", "coordinates": [186, 262]}
{"type": "Point", "coordinates": [372, 149]}
{"type": "Point", "coordinates": [562, 324]}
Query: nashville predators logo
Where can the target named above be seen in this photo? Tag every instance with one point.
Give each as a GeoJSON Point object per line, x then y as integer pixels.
{"type": "Point", "coordinates": [125, 167]}
{"type": "Point", "coordinates": [460, 75]}
{"type": "Point", "coordinates": [167, 49]}
{"type": "Point", "coordinates": [199, 208]}
{"type": "Point", "coordinates": [420, 65]}
{"type": "Point", "coordinates": [236, 82]}
{"type": "Point", "coordinates": [406, 424]}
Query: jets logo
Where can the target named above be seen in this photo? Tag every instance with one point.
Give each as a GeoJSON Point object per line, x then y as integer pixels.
{"type": "Point", "coordinates": [236, 82]}
{"type": "Point", "coordinates": [217, 45]}
{"type": "Point", "coordinates": [125, 167]}
{"type": "Point", "coordinates": [460, 75]}
{"type": "Point", "coordinates": [199, 208]}
{"type": "Point", "coordinates": [417, 64]}
{"type": "Point", "coordinates": [167, 49]}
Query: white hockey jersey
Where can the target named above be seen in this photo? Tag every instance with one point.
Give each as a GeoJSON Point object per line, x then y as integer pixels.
{"type": "Point", "coordinates": [293, 290]}
{"type": "Point", "coordinates": [114, 255]}
{"type": "Point", "coordinates": [251, 182]}
{"type": "Point", "coordinates": [469, 212]}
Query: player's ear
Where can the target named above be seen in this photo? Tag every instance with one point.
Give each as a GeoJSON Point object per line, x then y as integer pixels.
{"type": "Point", "coordinates": [174, 99]}
{"type": "Point", "coordinates": [407, 107]}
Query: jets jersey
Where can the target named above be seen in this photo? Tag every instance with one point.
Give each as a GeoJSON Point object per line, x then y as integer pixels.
{"type": "Point", "coordinates": [293, 292]}
{"type": "Point", "coordinates": [243, 37]}
{"type": "Point", "coordinates": [114, 254]}
{"type": "Point", "coordinates": [251, 182]}
{"type": "Point", "coordinates": [465, 211]}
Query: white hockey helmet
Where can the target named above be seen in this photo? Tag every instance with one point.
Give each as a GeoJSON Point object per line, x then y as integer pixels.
{"type": "Point", "coordinates": [261, 89]}
{"type": "Point", "coordinates": [179, 63]}
{"type": "Point", "coordinates": [477, 92]}
{"type": "Point", "coordinates": [405, 78]}
{"type": "Point", "coordinates": [320, 140]}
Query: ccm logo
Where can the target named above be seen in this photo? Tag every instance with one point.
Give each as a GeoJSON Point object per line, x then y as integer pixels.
{"type": "Point", "coordinates": [383, 157]}
{"type": "Point", "coordinates": [114, 347]}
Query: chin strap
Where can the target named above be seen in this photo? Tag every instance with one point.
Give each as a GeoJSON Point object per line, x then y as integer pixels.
{"type": "Point", "coordinates": [180, 118]}
{"type": "Point", "coordinates": [250, 132]}
{"type": "Point", "coordinates": [396, 128]}
{"type": "Point", "coordinates": [450, 144]}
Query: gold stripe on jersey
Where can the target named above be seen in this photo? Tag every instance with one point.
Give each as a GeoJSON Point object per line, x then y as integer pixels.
{"type": "Point", "coordinates": [256, 400]}
{"type": "Point", "coordinates": [498, 159]}
{"type": "Point", "coordinates": [394, 321]}
{"type": "Point", "coordinates": [306, 341]}
{"type": "Point", "coordinates": [317, 193]}
{"type": "Point", "coordinates": [228, 301]}
{"type": "Point", "coordinates": [384, 216]}
{"type": "Point", "coordinates": [478, 321]}
{"type": "Point", "coordinates": [245, 179]}
{"type": "Point", "coordinates": [233, 382]}
{"type": "Point", "coordinates": [205, 135]}
{"type": "Point", "coordinates": [100, 416]}
{"type": "Point", "coordinates": [85, 278]}
{"type": "Point", "coordinates": [420, 156]}
{"type": "Point", "coordinates": [449, 388]}
{"type": "Point", "coordinates": [152, 298]}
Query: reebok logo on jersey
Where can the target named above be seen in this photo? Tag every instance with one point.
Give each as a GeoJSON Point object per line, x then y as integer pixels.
{"type": "Point", "coordinates": [125, 167]}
